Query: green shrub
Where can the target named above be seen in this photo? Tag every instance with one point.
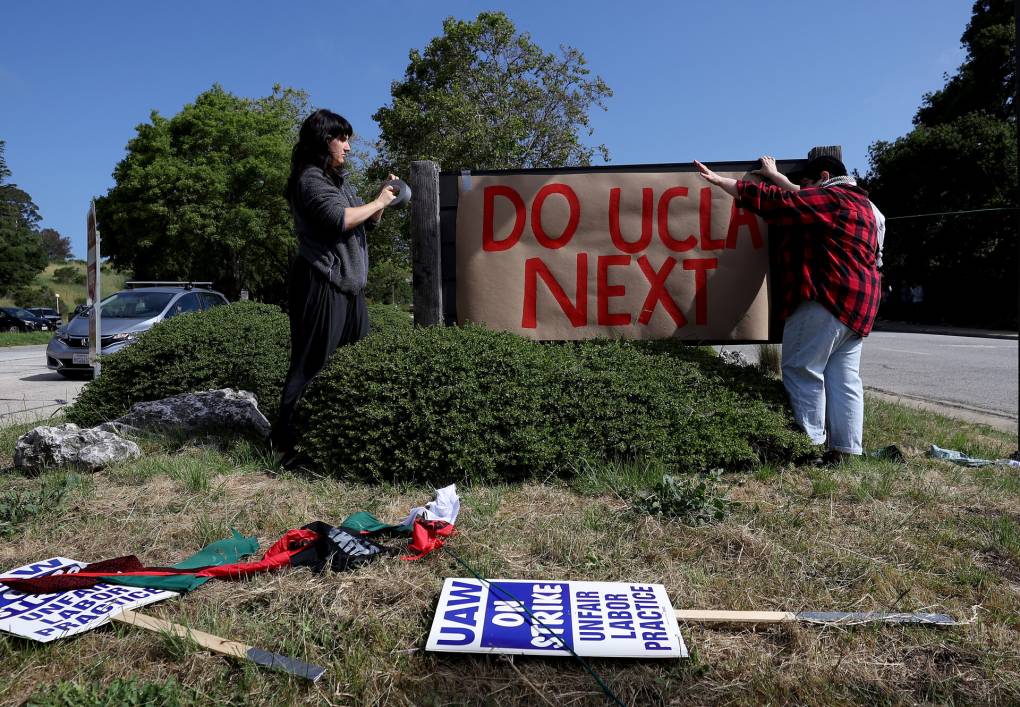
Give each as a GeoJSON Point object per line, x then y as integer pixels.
{"type": "Point", "coordinates": [33, 296]}
{"type": "Point", "coordinates": [385, 317]}
{"type": "Point", "coordinates": [244, 345]}
{"type": "Point", "coordinates": [69, 274]}
{"type": "Point", "coordinates": [693, 499]}
{"type": "Point", "coordinates": [442, 404]}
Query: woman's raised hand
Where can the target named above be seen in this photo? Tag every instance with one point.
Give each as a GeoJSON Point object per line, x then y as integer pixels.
{"type": "Point", "coordinates": [386, 196]}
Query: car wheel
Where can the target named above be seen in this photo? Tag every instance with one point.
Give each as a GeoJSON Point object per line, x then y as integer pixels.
{"type": "Point", "coordinates": [13, 329]}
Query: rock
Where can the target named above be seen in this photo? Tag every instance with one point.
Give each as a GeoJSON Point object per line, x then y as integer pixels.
{"type": "Point", "coordinates": [208, 411]}
{"type": "Point", "coordinates": [734, 358]}
{"type": "Point", "coordinates": [69, 445]}
{"type": "Point", "coordinates": [118, 428]}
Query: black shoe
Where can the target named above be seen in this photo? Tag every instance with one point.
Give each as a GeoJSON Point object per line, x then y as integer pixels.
{"type": "Point", "coordinates": [834, 457]}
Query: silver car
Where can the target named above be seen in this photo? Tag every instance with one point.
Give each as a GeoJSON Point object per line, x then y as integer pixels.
{"type": "Point", "coordinates": [125, 315]}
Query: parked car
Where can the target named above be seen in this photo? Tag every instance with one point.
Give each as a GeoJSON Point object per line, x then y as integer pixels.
{"type": "Point", "coordinates": [15, 319]}
{"type": "Point", "coordinates": [124, 316]}
{"type": "Point", "coordinates": [50, 315]}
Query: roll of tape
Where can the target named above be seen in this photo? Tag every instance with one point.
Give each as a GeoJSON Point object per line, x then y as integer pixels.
{"type": "Point", "coordinates": [403, 191]}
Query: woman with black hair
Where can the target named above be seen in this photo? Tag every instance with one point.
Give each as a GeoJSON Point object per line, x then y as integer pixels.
{"type": "Point", "coordinates": [327, 278]}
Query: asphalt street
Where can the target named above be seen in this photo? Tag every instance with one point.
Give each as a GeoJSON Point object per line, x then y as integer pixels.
{"type": "Point", "coordinates": [970, 378]}
{"type": "Point", "coordinates": [28, 390]}
{"type": "Point", "coordinates": [966, 377]}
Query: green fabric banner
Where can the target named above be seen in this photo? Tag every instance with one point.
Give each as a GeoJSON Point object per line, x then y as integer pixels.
{"type": "Point", "coordinates": [367, 524]}
{"type": "Point", "coordinates": [221, 552]}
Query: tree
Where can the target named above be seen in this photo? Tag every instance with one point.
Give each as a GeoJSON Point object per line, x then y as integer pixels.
{"type": "Point", "coordinates": [199, 196]}
{"type": "Point", "coordinates": [22, 254]}
{"type": "Point", "coordinates": [57, 246]}
{"type": "Point", "coordinates": [986, 79]}
{"type": "Point", "coordinates": [483, 96]}
{"type": "Point", "coordinates": [960, 157]}
{"type": "Point", "coordinates": [389, 282]}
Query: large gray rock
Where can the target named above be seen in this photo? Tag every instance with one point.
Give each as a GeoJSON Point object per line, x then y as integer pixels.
{"type": "Point", "coordinates": [69, 445]}
{"type": "Point", "coordinates": [208, 411]}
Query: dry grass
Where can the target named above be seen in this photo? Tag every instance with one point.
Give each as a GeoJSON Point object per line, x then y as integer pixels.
{"type": "Point", "coordinates": [867, 536]}
{"type": "Point", "coordinates": [770, 359]}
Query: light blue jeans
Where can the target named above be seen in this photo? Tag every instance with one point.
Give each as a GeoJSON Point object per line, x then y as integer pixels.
{"type": "Point", "coordinates": [822, 376]}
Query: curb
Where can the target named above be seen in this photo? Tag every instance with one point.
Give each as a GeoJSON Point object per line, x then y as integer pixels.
{"type": "Point", "coordinates": [1003, 422]}
{"type": "Point", "coordinates": [911, 328]}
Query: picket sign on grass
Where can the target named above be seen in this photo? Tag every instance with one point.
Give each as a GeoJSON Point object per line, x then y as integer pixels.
{"type": "Point", "coordinates": [604, 619]}
{"type": "Point", "coordinates": [47, 617]}
{"type": "Point", "coordinates": [523, 617]}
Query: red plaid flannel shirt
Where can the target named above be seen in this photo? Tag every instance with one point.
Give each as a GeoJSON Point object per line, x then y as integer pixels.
{"type": "Point", "coordinates": [827, 248]}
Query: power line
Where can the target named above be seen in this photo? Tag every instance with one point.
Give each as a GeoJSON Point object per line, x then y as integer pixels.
{"type": "Point", "coordinates": [953, 213]}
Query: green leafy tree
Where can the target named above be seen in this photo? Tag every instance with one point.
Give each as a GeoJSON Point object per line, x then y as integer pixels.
{"type": "Point", "coordinates": [485, 96]}
{"type": "Point", "coordinates": [961, 156]}
{"type": "Point", "coordinates": [57, 246]}
{"type": "Point", "coordinates": [389, 282]}
{"type": "Point", "coordinates": [22, 254]}
{"type": "Point", "coordinates": [199, 196]}
{"type": "Point", "coordinates": [986, 80]}
{"type": "Point", "coordinates": [482, 96]}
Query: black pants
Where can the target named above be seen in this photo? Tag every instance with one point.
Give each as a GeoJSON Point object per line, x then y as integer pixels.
{"type": "Point", "coordinates": [321, 319]}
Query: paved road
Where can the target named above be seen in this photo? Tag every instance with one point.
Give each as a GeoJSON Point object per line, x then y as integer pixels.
{"type": "Point", "coordinates": [966, 377]}
{"type": "Point", "coordinates": [28, 390]}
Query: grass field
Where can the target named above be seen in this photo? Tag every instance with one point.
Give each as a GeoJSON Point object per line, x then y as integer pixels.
{"type": "Point", "coordinates": [71, 294]}
{"type": "Point", "coordinates": [869, 535]}
{"type": "Point", "coordinates": [25, 338]}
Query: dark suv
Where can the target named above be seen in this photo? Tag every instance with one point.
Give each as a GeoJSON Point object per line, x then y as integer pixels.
{"type": "Point", "coordinates": [50, 315]}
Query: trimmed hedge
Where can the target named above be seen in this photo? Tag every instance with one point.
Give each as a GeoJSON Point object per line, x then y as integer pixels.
{"type": "Point", "coordinates": [385, 317]}
{"type": "Point", "coordinates": [441, 404]}
{"type": "Point", "coordinates": [245, 345]}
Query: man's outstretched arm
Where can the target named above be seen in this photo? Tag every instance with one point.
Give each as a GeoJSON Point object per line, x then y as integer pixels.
{"type": "Point", "coordinates": [727, 184]}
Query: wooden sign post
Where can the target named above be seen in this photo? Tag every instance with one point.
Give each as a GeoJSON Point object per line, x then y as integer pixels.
{"type": "Point", "coordinates": [94, 292]}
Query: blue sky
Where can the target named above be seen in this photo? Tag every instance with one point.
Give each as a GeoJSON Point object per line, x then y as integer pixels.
{"type": "Point", "coordinates": [691, 80]}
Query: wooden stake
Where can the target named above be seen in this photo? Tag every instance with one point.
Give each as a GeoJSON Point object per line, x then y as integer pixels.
{"type": "Point", "coordinates": [734, 617]}
{"type": "Point", "coordinates": [222, 646]}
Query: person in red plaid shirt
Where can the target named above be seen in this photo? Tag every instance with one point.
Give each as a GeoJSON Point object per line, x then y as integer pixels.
{"type": "Point", "coordinates": [830, 289]}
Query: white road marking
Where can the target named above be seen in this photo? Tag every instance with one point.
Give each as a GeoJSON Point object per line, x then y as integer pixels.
{"type": "Point", "coordinates": [971, 346]}
{"type": "Point", "coordinates": [917, 353]}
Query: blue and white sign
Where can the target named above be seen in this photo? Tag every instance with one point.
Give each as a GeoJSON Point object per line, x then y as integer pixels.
{"type": "Point", "coordinates": [608, 619]}
{"type": "Point", "coordinates": [45, 617]}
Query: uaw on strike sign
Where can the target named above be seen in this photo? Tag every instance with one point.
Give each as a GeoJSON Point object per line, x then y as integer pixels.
{"type": "Point", "coordinates": [46, 617]}
{"type": "Point", "coordinates": [619, 254]}
{"type": "Point", "coordinates": [609, 619]}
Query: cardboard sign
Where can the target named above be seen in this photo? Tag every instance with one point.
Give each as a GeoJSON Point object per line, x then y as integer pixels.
{"type": "Point", "coordinates": [637, 255]}
{"type": "Point", "coordinates": [46, 617]}
{"type": "Point", "coordinates": [524, 617]}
